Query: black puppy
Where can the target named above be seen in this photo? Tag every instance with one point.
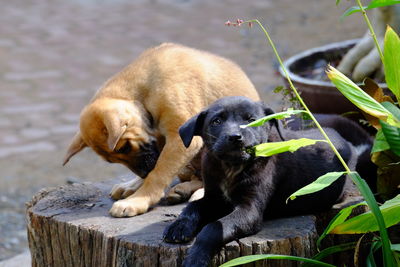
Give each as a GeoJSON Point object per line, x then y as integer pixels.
{"type": "Point", "coordinates": [241, 189]}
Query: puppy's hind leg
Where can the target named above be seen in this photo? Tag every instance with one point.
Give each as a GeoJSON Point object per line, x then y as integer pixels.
{"type": "Point", "coordinates": [191, 183]}
{"type": "Point", "coordinates": [126, 189]}
{"type": "Point", "coordinates": [183, 191]}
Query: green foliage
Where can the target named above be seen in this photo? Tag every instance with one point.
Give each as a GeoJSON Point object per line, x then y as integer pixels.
{"type": "Point", "coordinates": [396, 247]}
{"type": "Point", "coordinates": [278, 89]}
{"type": "Point", "coordinates": [388, 135]}
{"type": "Point", "coordinates": [376, 245]}
{"type": "Point", "coordinates": [380, 143]}
{"type": "Point", "coordinates": [382, 3]}
{"type": "Point", "coordinates": [372, 4]}
{"type": "Point", "coordinates": [392, 108]}
{"type": "Point", "coordinates": [386, 149]}
{"type": "Point", "coordinates": [288, 97]}
{"type": "Point", "coordinates": [387, 139]}
{"type": "Point", "coordinates": [360, 98]}
{"type": "Point", "coordinates": [391, 61]}
{"type": "Point", "coordinates": [342, 215]}
{"type": "Point", "coordinates": [269, 149]}
{"type": "Point", "coordinates": [334, 249]}
{"type": "Point", "coordinates": [252, 258]}
{"type": "Point", "coordinates": [319, 184]}
{"type": "Point", "coordinates": [279, 115]}
{"type": "Point", "coordinates": [351, 10]}
{"type": "Point", "coordinates": [373, 205]}
{"type": "Point", "coordinates": [365, 222]}
{"type": "Point", "coordinates": [392, 136]}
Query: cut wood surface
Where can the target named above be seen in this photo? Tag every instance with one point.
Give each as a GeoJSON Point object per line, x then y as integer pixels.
{"type": "Point", "coordinates": [70, 226]}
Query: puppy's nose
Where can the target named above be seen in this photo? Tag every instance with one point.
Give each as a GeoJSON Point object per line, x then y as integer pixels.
{"type": "Point", "coordinates": [235, 137]}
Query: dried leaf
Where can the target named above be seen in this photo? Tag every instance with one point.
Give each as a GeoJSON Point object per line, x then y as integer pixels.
{"type": "Point", "coordinates": [376, 92]}
{"type": "Point", "coordinates": [373, 89]}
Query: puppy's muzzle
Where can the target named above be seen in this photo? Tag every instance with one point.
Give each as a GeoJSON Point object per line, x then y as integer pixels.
{"type": "Point", "coordinates": [235, 138]}
{"type": "Point", "coordinates": [145, 161]}
{"type": "Point", "coordinates": [231, 147]}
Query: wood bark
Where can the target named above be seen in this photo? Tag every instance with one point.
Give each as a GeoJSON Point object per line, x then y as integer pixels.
{"type": "Point", "coordinates": [70, 226]}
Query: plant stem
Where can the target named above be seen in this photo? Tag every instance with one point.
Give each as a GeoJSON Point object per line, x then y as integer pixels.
{"type": "Point", "coordinates": [371, 29]}
{"type": "Point", "coordinates": [299, 98]}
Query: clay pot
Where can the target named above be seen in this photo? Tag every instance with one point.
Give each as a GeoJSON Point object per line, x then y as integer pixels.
{"type": "Point", "coordinates": [320, 96]}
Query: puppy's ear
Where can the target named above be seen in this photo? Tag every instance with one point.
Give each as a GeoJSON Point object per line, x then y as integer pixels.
{"type": "Point", "coordinates": [76, 145]}
{"type": "Point", "coordinates": [192, 128]}
{"type": "Point", "coordinates": [273, 122]}
{"type": "Point", "coordinates": [115, 129]}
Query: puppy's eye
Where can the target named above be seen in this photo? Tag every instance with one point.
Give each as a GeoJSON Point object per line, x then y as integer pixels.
{"type": "Point", "coordinates": [249, 118]}
{"type": "Point", "coordinates": [216, 121]}
{"type": "Point", "coordinates": [125, 149]}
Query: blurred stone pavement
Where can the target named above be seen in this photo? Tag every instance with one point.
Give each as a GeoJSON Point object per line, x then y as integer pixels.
{"type": "Point", "coordinates": [55, 54]}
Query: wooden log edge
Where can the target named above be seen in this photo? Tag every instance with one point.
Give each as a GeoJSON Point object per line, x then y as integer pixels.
{"type": "Point", "coordinates": [70, 226]}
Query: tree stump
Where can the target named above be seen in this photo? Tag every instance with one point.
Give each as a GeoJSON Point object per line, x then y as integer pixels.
{"type": "Point", "coordinates": [70, 226]}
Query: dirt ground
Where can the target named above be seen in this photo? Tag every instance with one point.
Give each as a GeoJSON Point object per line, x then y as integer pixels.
{"type": "Point", "coordinates": [55, 54]}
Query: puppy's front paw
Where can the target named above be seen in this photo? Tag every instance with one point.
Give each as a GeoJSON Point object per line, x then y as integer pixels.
{"type": "Point", "coordinates": [126, 189]}
{"type": "Point", "coordinates": [129, 207]}
{"type": "Point", "coordinates": [180, 231]}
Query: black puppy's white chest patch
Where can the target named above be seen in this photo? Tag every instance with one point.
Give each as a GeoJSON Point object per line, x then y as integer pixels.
{"type": "Point", "coordinates": [226, 184]}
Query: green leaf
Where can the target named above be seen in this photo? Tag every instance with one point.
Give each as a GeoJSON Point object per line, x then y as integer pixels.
{"type": "Point", "coordinates": [370, 261]}
{"type": "Point", "coordinates": [380, 143]}
{"type": "Point", "coordinates": [373, 205]}
{"type": "Point", "coordinates": [269, 149]}
{"type": "Point", "coordinates": [338, 2]}
{"type": "Point", "coordinates": [278, 89]}
{"type": "Point", "coordinates": [392, 135]}
{"type": "Point", "coordinates": [392, 60]}
{"type": "Point", "coordinates": [279, 115]}
{"type": "Point", "coordinates": [365, 222]}
{"type": "Point", "coordinates": [351, 10]}
{"type": "Point", "coordinates": [358, 97]}
{"type": "Point", "coordinates": [252, 258]}
{"type": "Point", "coordinates": [372, 4]}
{"type": "Point", "coordinates": [392, 108]}
{"type": "Point", "coordinates": [380, 3]}
{"type": "Point", "coordinates": [339, 218]}
{"type": "Point", "coordinates": [396, 247]}
{"type": "Point", "coordinates": [396, 255]}
{"type": "Point", "coordinates": [319, 184]}
{"type": "Point", "coordinates": [334, 249]}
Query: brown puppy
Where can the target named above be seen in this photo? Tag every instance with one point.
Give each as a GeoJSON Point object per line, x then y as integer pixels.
{"type": "Point", "coordinates": [134, 118]}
